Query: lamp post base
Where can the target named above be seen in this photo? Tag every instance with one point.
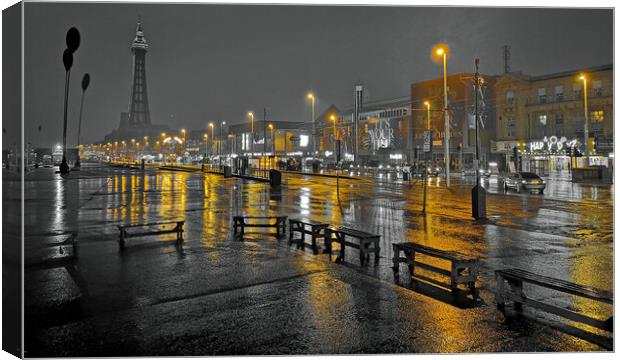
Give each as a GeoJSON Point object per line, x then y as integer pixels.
{"type": "Point", "coordinates": [64, 167]}
{"type": "Point", "coordinates": [478, 202]}
{"type": "Point", "coordinates": [77, 164]}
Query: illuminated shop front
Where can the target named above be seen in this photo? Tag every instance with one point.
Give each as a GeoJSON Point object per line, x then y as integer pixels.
{"type": "Point", "coordinates": [555, 156]}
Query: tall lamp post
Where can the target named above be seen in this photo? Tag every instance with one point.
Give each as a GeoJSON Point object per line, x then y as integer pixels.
{"type": "Point", "coordinates": [312, 99]}
{"type": "Point", "coordinates": [273, 142]}
{"type": "Point", "coordinates": [251, 116]}
{"type": "Point", "coordinates": [585, 124]}
{"type": "Point", "coordinates": [212, 138]}
{"type": "Point", "coordinates": [205, 137]}
{"type": "Point", "coordinates": [219, 145]}
{"type": "Point", "coordinates": [333, 118]}
{"type": "Point", "coordinates": [85, 82]}
{"type": "Point", "coordinates": [72, 40]}
{"type": "Point", "coordinates": [478, 193]}
{"type": "Point", "coordinates": [444, 53]}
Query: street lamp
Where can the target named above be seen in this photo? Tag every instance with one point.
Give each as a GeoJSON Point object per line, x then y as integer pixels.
{"type": "Point", "coordinates": [206, 142]}
{"type": "Point", "coordinates": [443, 52]}
{"type": "Point", "coordinates": [219, 145]}
{"type": "Point", "coordinates": [333, 118]}
{"type": "Point", "coordinates": [312, 99]}
{"type": "Point", "coordinates": [585, 124]}
{"type": "Point", "coordinates": [428, 115]}
{"type": "Point", "coordinates": [72, 40]}
{"type": "Point", "coordinates": [251, 115]}
{"type": "Point", "coordinates": [85, 82]}
{"type": "Point", "coordinates": [212, 137]}
{"type": "Point", "coordinates": [273, 142]}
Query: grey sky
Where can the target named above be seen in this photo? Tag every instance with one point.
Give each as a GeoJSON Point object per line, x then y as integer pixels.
{"type": "Point", "coordinates": [216, 62]}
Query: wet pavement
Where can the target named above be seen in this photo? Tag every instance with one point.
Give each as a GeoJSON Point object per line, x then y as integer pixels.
{"type": "Point", "coordinates": [217, 295]}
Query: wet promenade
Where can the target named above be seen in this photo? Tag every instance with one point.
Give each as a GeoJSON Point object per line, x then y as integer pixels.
{"type": "Point", "coordinates": [217, 295]}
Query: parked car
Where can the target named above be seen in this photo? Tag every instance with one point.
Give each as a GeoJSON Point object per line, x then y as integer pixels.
{"type": "Point", "coordinates": [484, 173]}
{"type": "Point", "coordinates": [524, 181]}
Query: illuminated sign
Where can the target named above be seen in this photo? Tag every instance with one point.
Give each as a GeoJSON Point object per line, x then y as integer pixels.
{"type": "Point", "coordinates": [552, 144]}
{"type": "Point", "coordinates": [382, 135]}
{"type": "Point", "coordinates": [303, 140]}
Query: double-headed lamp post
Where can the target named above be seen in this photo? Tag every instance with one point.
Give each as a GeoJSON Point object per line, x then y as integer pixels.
{"type": "Point", "coordinates": [585, 113]}
{"type": "Point", "coordinates": [444, 53]}
{"type": "Point", "coordinates": [312, 99]}
{"type": "Point", "coordinates": [251, 116]}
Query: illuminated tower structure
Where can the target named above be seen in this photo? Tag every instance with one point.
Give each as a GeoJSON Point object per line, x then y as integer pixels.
{"type": "Point", "coordinates": [135, 123]}
{"type": "Point", "coordinates": [139, 103]}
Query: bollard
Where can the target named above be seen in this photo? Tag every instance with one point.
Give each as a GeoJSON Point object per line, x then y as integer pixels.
{"type": "Point", "coordinates": [227, 171]}
{"type": "Point", "coordinates": [275, 178]}
{"type": "Point", "coordinates": [142, 165]}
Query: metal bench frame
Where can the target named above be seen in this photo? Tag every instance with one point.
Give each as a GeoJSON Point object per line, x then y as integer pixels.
{"type": "Point", "coordinates": [463, 269]}
{"type": "Point", "coordinates": [317, 230]}
{"type": "Point", "coordinates": [339, 234]}
{"type": "Point", "coordinates": [239, 223]}
{"type": "Point", "coordinates": [514, 292]}
{"type": "Point", "coordinates": [178, 229]}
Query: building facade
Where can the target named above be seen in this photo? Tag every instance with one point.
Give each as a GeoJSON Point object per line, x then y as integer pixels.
{"type": "Point", "coordinates": [543, 117]}
{"type": "Point", "coordinates": [461, 110]}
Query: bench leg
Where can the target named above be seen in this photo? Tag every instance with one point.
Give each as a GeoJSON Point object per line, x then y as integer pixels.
{"type": "Point", "coordinates": [242, 228]}
{"type": "Point", "coordinates": [340, 240]}
{"type": "Point", "coordinates": [121, 240]}
{"type": "Point", "coordinates": [454, 274]}
{"type": "Point", "coordinates": [500, 300]}
{"type": "Point", "coordinates": [315, 250]}
{"type": "Point", "coordinates": [410, 254]}
{"type": "Point", "coordinates": [517, 287]}
{"type": "Point", "coordinates": [290, 233]}
{"type": "Point", "coordinates": [395, 260]}
{"type": "Point", "coordinates": [328, 242]}
{"type": "Point", "coordinates": [363, 248]}
{"type": "Point", "coordinates": [378, 250]}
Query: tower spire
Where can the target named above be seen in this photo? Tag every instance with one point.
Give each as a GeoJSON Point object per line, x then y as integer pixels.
{"type": "Point", "coordinates": [139, 114]}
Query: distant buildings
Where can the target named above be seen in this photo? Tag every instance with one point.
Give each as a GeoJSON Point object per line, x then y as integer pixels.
{"type": "Point", "coordinates": [543, 118]}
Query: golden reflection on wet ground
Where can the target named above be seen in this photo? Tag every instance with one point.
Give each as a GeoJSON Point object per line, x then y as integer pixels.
{"type": "Point", "coordinates": [556, 235]}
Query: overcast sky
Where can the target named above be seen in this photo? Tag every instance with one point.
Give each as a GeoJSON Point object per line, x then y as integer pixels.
{"type": "Point", "coordinates": [216, 62]}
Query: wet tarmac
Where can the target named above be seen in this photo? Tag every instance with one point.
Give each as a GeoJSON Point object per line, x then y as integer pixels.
{"type": "Point", "coordinates": [217, 295]}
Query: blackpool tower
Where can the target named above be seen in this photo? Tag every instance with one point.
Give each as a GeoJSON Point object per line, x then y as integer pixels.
{"type": "Point", "coordinates": [138, 103]}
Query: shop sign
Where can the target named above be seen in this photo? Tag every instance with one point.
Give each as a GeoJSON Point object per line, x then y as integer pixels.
{"type": "Point", "coordinates": [551, 144]}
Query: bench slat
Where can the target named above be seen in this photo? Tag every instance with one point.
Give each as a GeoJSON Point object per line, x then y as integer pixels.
{"type": "Point", "coordinates": [557, 284]}
{"type": "Point", "coordinates": [353, 232]}
{"type": "Point", "coordinates": [559, 311]}
{"type": "Point", "coordinates": [150, 224]}
{"type": "Point", "coordinates": [443, 254]}
{"type": "Point", "coordinates": [308, 222]}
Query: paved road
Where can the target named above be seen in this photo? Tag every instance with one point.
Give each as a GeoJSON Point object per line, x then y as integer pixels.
{"type": "Point", "coordinates": [216, 295]}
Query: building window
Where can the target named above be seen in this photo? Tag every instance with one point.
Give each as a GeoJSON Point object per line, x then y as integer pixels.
{"type": "Point", "coordinates": [542, 95]}
{"type": "Point", "coordinates": [559, 124]}
{"type": "Point", "coordinates": [597, 87]}
{"type": "Point", "coordinates": [578, 91]}
{"type": "Point", "coordinates": [559, 93]}
{"type": "Point", "coordinates": [542, 119]}
{"type": "Point", "coordinates": [510, 127]}
{"type": "Point", "coordinates": [510, 96]}
{"type": "Point", "coordinates": [597, 116]}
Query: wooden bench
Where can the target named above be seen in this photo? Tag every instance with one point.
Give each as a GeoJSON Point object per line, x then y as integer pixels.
{"type": "Point", "coordinates": [317, 230]}
{"type": "Point", "coordinates": [463, 269]}
{"type": "Point", "coordinates": [177, 228]}
{"type": "Point", "coordinates": [515, 278]}
{"type": "Point", "coordinates": [339, 234]}
{"type": "Point", "coordinates": [240, 223]}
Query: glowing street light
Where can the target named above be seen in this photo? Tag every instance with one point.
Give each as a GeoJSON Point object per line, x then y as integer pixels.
{"type": "Point", "coordinates": [443, 52]}
{"type": "Point", "coordinates": [333, 118]}
{"type": "Point", "coordinates": [251, 116]}
{"type": "Point", "coordinates": [273, 141]}
{"type": "Point", "coordinates": [212, 136]}
{"type": "Point", "coordinates": [312, 99]}
{"type": "Point", "coordinates": [585, 112]}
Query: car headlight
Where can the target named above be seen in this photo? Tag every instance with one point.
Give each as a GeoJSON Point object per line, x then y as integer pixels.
{"type": "Point", "coordinates": [523, 182]}
{"type": "Point", "coordinates": [543, 181]}
{"type": "Point", "coordinates": [436, 169]}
